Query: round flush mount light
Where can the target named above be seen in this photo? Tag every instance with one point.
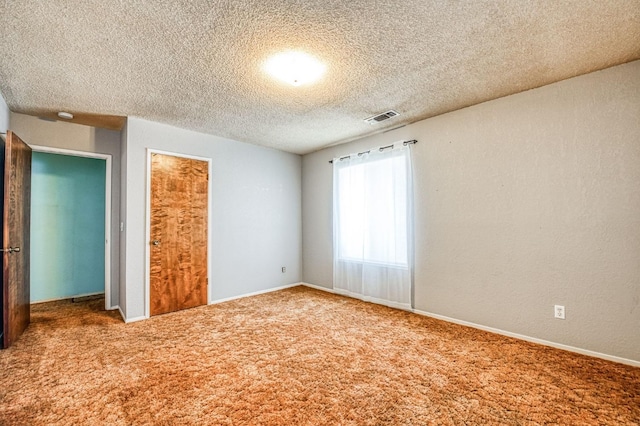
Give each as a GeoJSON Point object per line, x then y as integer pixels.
{"type": "Point", "coordinates": [65, 115]}
{"type": "Point", "coordinates": [295, 68]}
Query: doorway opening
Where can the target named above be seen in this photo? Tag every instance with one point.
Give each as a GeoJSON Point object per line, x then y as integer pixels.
{"type": "Point", "coordinates": [70, 225]}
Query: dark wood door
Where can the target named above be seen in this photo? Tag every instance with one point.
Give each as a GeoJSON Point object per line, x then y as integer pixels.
{"type": "Point", "coordinates": [178, 246]}
{"type": "Point", "coordinates": [15, 237]}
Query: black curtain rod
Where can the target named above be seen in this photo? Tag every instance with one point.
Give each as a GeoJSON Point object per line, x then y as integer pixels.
{"type": "Point", "coordinates": [382, 148]}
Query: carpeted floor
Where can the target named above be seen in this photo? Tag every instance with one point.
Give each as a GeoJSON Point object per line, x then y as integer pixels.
{"type": "Point", "coordinates": [297, 357]}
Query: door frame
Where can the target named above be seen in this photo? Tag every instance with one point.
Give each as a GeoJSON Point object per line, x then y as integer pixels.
{"type": "Point", "coordinates": [107, 209]}
{"type": "Point", "coordinates": [147, 245]}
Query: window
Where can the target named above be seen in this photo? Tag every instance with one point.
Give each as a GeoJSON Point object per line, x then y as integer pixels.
{"type": "Point", "coordinates": [372, 225]}
{"type": "Point", "coordinates": [372, 202]}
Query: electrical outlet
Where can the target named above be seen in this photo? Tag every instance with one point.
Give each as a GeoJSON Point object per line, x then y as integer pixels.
{"type": "Point", "coordinates": [558, 311]}
{"type": "Point", "coordinates": [284, 269]}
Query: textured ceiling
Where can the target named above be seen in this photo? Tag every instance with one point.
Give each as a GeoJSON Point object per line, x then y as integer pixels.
{"type": "Point", "coordinates": [198, 64]}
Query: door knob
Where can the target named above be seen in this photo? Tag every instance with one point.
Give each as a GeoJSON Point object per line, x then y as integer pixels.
{"type": "Point", "coordinates": [156, 242]}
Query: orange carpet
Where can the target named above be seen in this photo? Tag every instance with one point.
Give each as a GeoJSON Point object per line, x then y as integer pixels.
{"type": "Point", "coordinates": [297, 357]}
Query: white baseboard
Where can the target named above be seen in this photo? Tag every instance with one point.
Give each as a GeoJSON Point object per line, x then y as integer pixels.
{"type": "Point", "coordinates": [135, 319]}
{"type": "Point", "coordinates": [130, 320]}
{"type": "Point", "coordinates": [317, 287]}
{"type": "Point", "coordinates": [510, 334]}
{"type": "Point", "coordinates": [531, 339]}
{"type": "Point", "coordinates": [255, 293]}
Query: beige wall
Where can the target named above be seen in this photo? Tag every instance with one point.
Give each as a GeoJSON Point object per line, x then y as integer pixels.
{"type": "Point", "coordinates": [76, 137]}
{"type": "Point", "coordinates": [521, 203]}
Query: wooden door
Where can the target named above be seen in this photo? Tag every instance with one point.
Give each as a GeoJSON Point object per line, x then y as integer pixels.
{"type": "Point", "coordinates": [15, 238]}
{"type": "Point", "coordinates": [178, 246]}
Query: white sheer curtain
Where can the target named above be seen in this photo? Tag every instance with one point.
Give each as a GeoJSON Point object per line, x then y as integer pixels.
{"type": "Point", "coordinates": [372, 226]}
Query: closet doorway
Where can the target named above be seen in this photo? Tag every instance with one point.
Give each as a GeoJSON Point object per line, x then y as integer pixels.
{"type": "Point", "coordinates": [70, 225]}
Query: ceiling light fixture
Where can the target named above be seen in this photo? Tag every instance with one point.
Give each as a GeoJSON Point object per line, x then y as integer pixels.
{"type": "Point", "coordinates": [296, 68]}
{"type": "Point", "coordinates": [65, 115]}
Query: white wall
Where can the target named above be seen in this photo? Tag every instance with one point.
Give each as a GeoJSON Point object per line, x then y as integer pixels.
{"type": "Point", "coordinates": [521, 203]}
{"type": "Point", "coordinates": [122, 292]}
{"type": "Point", "coordinates": [4, 115]}
{"type": "Point", "coordinates": [256, 212]}
{"type": "Point", "coordinates": [59, 134]}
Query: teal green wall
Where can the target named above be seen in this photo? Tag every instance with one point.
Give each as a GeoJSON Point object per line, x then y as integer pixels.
{"type": "Point", "coordinates": [67, 226]}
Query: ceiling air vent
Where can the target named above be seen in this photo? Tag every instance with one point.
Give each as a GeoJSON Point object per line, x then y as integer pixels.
{"type": "Point", "coordinates": [381, 117]}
